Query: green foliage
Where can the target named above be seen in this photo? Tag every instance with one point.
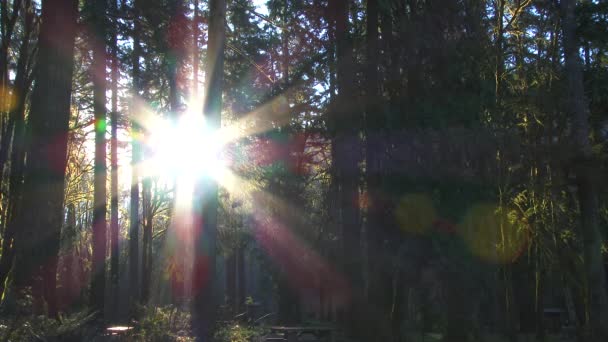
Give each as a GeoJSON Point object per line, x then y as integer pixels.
{"type": "Point", "coordinates": [75, 327]}
{"type": "Point", "coordinates": [161, 324]}
{"type": "Point", "coordinates": [235, 332]}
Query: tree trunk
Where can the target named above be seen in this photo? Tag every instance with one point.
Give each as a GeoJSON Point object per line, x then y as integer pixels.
{"type": "Point", "coordinates": [241, 280]}
{"type": "Point", "coordinates": [348, 155]}
{"type": "Point", "coordinates": [17, 115]}
{"type": "Point", "coordinates": [39, 235]}
{"type": "Point", "coordinates": [458, 310]}
{"type": "Point", "coordinates": [206, 232]}
{"type": "Point", "coordinates": [148, 216]}
{"type": "Point", "coordinates": [100, 175]}
{"type": "Point", "coordinates": [195, 54]}
{"type": "Point", "coordinates": [135, 160]}
{"type": "Point", "coordinates": [71, 288]}
{"type": "Point", "coordinates": [499, 65]}
{"type": "Point", "coordinates": [380, 272]}
{"type": "Point", "coordinates": [176, 54]}
{"type": "Point", "coordinates": [114, 158]}
{"type": "Point", "coordinates": [231, 281]}
{"type": "Point", "coordinates": [578, 107]}
{"type": "Point", "coordinates": [6, 128]}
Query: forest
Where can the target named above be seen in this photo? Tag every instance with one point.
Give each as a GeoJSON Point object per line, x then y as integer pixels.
{"type": "Point", "coordinates": [304, 170]}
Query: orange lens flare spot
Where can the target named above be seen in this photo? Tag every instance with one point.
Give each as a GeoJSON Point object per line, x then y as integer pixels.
{"type": "Point", "coordinates": [492, 235]}
{"type": "Point", "coordinates": [8, 99]}
{"type": "Point", "coordinates": [415, 213]}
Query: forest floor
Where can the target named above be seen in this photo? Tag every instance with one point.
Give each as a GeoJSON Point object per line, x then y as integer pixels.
{"type": "Point", "coordinates": [489, 337]}
{"type": "Point", "coordinates": [437, 337]}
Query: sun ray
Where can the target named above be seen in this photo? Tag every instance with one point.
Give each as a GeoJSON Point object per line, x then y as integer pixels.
{"type": "Point", "coordinates": [274, 113]}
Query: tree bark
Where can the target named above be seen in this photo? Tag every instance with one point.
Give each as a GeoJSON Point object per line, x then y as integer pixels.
{"type": "Point", "coordinates": [114, 157]}
{"type": "Point", "coordinates": [100, 176]}
{"type": "Point", "coordinates": [6, 127]}
{"type": "Point", "coordinates": [347, 155]}
{"type": "Point", "coordinates": [17, 156]}
{"type": "Point", "coordinates": [176, 54]}
{"type": "Point", "coordinates": [148, 216]}
{"type": "Point", "coordinates": [38, 238]}
{"type": "Point", "coordinates": [195, 54]}
{"type": "Point", "coordinates": [135, 160]}
{"type": "Point", "coordinates": [231, 281]}
{"type": "Point", "coordinates": [578, 107]}
{"type": "Point", "coordinates": [206, 231]}
{"type": "Point", "coordinates": [241, 284]}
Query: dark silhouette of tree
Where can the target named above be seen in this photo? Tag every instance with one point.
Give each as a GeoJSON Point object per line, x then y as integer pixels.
{"type": "Point", "coordinates": [206, 230]}
{"type": "Point", "coordinates": [114, 229]}
{"type": "Point", "coordinates": [37, 241]}
{"type": "Point", "coordinates": [98, 69]}
{"type": "Point", "coordinates": [17, 155]}
{"type": "Point", "coordinates": [583, 161]}
{"type": "Point", "coordinates": [135, 157]}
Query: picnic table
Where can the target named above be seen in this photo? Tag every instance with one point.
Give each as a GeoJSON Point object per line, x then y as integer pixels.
{"type": "Point", "coordinates": [293, 333]}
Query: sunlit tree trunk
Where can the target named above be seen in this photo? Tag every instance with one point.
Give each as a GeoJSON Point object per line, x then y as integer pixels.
{"type": "Point", "coordinates": [39, 234]}
{"type": "Point", "coordinates": [578, 108]}
{"type": "Point", "coordinates": [206, 230]}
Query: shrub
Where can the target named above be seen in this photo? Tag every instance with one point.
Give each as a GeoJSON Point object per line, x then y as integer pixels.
{"type": "Point", "coordinates": [235, 332]}
{"type": "Point", "coordinates": [161, 324]}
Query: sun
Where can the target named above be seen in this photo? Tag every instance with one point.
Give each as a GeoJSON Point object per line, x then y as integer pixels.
{"type": "Point", "coordinates": [185, 149]}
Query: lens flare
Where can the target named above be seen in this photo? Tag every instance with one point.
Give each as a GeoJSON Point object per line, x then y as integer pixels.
{"type": "Point", "coordinates": [186, 149]}
{"type": "Point", "coordinates": [415, 213]}
{"type": "Point", "coordinates": [491, 235]}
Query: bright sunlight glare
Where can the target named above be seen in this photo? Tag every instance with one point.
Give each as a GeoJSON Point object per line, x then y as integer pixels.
{"type": "Point", "coordinates": [185, 149]}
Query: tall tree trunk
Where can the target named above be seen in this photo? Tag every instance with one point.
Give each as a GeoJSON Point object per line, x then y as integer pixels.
{"type": "Point", "coordinates": [377, 230]}
{"type": "Point", "coordinates": [147, 240]}
{"type": "Point", "coordinates": [333, 194]}
{"type": "Point", "coordinates": [285, 41]}
{"type": "Point", "coordinates": [347, 154]}
{"type": "Point", "coordinates": [176, 57]}
{"type": "Point", "coordinates": [206, 231]}
{"type": "Point", "coordinates": [135, 160]}
{"type": "Point", "coordinates": [114, 157]}
{"type": "Point", "coordinates": [499, 65]}
{"type": "Point", "coordinates": [195, 54]}
{"type": "Point", "coordinates": [70, 282]}
{"type": "Point", "coordinates": [100, 176]}
{"type": "Point", "coordinates": [39, 234]}
{"type": "Point", "coordinates": [241, 279]}
{"type": "Point", "coordinates": [8, 21]}
{"type": "Point", "coordinates": [176, 41]}
{"type": "Point", "coordinates": [578, 107]}
{"type": "Point", "coordinates": [231, 281]}
{"type": "Point", "coordinates": [17, 115]}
